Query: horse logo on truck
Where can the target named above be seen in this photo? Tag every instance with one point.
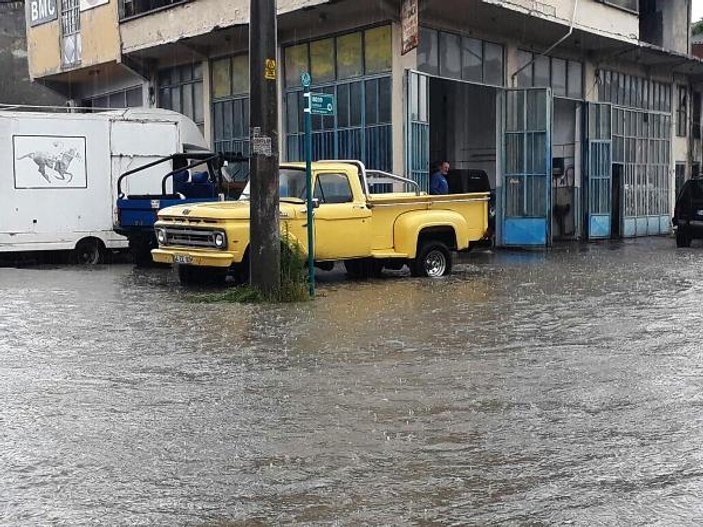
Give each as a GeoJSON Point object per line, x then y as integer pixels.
{"type": "Point", "coordinates": [49, 161]}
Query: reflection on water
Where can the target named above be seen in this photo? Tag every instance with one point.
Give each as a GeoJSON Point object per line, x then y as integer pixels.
{"type": "Point", "coordinates": [526, 389]}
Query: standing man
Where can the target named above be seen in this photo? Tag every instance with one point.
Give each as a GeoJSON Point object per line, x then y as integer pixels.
{"type": "Point", "coordinates": [438, 180]}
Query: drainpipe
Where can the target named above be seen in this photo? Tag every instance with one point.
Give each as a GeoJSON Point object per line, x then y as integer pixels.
{"type": "Point", "coordinates": [562, 39]}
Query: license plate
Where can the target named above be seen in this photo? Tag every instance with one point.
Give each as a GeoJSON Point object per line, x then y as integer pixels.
{"type": "Point", "coordinates": [182, 259]}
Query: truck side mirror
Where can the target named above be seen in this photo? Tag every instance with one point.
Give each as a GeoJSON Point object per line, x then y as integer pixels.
{"type": "Point", "coordinates": [315, 203]}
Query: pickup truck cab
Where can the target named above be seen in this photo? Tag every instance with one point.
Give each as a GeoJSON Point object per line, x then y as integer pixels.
{"type": "Point", "coordinates": [368, 232]}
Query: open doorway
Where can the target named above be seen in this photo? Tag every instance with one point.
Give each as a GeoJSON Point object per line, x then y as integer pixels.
{"type": "Point", "coordinates": [566, 163]}
{"type": "Point", "coordinates": [463, 127]}
{"type": "Point", "coordinates": [462, 119]}
{"type": "Point", "coordinates": [615, 225]}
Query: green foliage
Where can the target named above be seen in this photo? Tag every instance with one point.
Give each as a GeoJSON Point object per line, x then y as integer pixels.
{"type": "Point", "coordinates": [294, 275]}
{"type": "Point", "coordinates": [294, 281]}
{"type": "Point", "coordinates": [698, 27]}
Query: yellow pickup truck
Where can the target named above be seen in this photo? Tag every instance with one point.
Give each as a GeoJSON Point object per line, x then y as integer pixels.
{"type": "Point", "coordinates": [367, 231]}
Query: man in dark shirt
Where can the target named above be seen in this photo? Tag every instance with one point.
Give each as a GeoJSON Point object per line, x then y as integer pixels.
{"type": "Point", "coordinates": [438, 180]}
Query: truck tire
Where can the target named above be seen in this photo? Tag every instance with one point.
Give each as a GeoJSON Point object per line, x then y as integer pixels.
{"type": "Point", "coordinates": [240, 271]}
{"type": "Point", "coordinates": [89, 251]}
{"type": "Point", "coordinates": [192, 275]}
{"type": "Point", "coordinates": [433, 260]}
{"type": "Point", "coordinates": [683, 239]}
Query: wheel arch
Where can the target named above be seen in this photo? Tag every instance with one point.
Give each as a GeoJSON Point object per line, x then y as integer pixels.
{"type": "Point", "coordinates": [412, 229]}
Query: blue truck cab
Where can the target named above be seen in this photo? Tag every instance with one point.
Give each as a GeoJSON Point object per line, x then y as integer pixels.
{"type": "Point", "coordinates": [193, 177]}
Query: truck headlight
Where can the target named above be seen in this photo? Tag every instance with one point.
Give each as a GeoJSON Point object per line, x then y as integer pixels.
{"type": "Point", "coordinates": [220, 240]}
{"type": "Point", "coordinates": [161, 236]}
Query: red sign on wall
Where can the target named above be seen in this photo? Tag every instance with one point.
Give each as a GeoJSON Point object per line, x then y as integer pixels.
{"type": "Point", "coordinates": [409, 25]}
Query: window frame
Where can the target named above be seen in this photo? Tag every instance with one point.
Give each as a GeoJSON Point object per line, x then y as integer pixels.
{"type": "Point", "coordinates": [437, 70]}
{"type": "Point", "coordinates": [319, 186]}
{"type": "Point", "coordinates": [682, 112]}
{"type": "Point", "coordinates": [180, 86]}
{"type": "Point", "coordinates": [616, 5]}
{"type": "Point", "coordinates": [125, 18]}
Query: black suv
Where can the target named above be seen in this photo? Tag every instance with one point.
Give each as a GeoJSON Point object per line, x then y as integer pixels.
{"type": "Point", "coordinates": [688, 213]}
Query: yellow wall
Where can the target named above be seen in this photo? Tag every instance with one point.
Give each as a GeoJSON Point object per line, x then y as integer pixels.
{"type": "Point", "coordinates": [100, 39]}
{"type": "Point", "coordinates": [100, 35]}
{"type": "Point", "coordinates": [43, 50]}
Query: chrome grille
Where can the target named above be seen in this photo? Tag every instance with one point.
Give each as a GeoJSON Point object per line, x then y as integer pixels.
{"type": "Point", "coordinates": [185, 237]}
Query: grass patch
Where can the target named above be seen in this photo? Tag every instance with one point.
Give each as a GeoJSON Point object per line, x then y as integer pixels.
{"type": "Point", "coordinates": [294, 282]}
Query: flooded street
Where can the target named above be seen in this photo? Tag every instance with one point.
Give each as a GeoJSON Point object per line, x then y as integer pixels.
{"type": "Point", "coordinates": [526, 389]}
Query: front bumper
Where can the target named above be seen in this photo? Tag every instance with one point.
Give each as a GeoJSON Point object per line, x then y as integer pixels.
{"type": "Point", "coordinates": [192, 257]}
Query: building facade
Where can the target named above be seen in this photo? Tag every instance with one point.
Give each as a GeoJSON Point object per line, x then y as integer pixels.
{"type": "Point", "coordinates": [586, 115]}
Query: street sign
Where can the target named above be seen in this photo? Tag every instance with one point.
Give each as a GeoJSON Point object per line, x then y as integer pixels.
{"type": "Point", "coordinates": [322, 104]}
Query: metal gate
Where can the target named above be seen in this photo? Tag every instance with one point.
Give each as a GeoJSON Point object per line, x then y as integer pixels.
{"type": "Point", "coordinates": [527, 164]}
{"type": "Point", "coordinates": [417, 128]}
{"type": "Point", "coordinates": [599, 193]}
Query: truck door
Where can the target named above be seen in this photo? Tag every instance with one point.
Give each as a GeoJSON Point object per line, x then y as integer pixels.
{"type": "Point", "coordinates": [527, 165]}
{"type": "Point", "coordinates": [342, 225]}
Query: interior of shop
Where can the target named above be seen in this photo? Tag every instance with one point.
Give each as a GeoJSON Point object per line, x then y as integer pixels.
{"type": "Point", "coordinates": [566, 167]}
{"type": "Point", "coordinates": [463, 126]}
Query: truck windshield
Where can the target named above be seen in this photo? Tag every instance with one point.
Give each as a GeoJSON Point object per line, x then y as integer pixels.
{"type": "Point", "coordinates": [291, 184]}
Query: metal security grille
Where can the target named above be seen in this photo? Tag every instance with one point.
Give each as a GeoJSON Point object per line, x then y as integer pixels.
{"type": "Point", "coordinates": [361, 128]}
{"type": "Point", "coordinates": [642, 144]}
{"type": "Point", "coordinates": [525, 154]}
{"type": "Point", "coordinates": [70, 32]}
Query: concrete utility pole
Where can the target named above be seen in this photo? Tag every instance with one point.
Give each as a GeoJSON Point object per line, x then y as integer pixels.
{"type": "Point", "coordinates": [265, 248]}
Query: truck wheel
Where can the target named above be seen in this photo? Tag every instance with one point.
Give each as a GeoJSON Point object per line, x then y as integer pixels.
{"type": "Point", "coordinates": [433, 260]}
{"type": "Point", "coordinates": [682, 238]}
{"type": "Point", "coordinates": [88, 252]}
{"type": "Point", "coordinates": [192, 275]}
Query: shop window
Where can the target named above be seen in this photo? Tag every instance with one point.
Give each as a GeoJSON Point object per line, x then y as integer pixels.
{"type": "Point", "coordinates": [350, 61]}
{"type": "Point", "coordinates": [471, 59]}
{"type": "Point", "coordinates": [428, 51]}
{"type": "Point", "coordinates": [456, 57]}
{"type": "Point", "coordinates": [450, 55]}
{"type": "Point", "coordinates": [296, 63]}
{"type": "Point", "coordinates": [230, 108]}
{"type": "Point", "coordinates": [681, 112]}
{"type": "Point", "coordinates": [574, 80]}
{"type": "Point", "coordinates": [322, 60]}
{"type": "Point", "coordinates": [377, 49]}
{"type": "Point", "coordinates": [637, 92]}
{"type": "Point", "coordinates": [696, 118]}
{"type": "Point", "coordinates": [356, 69]}
{"type": "Point", "coordinates": [129, 98]}
{"type": "Point", "coordinates": [181, 90]}
{"type": "Point", "coordinates": [559, 77]}
{"type": "Point", "coordinates": [240, 74]}
{"type": "Point", "coordinates": [565, 77]}
{"type": "Point", "coordinates": [492, 64]}
{"type": "Point", "coordinates": [221, 78]}
{"type": "Point", "coordinates": [524, 76]}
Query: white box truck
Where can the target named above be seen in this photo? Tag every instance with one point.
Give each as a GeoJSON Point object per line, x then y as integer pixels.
{"type": "Point", "coordinates": [61, 170]}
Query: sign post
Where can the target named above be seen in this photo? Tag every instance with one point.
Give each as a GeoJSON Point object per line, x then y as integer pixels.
{"type": "Point", "coordinates": [318, 104]}
{"type": "Point", "coordinates": [305, 78]}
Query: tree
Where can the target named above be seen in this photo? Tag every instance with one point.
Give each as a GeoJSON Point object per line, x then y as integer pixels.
{"type": "Point", "coordinates": [698, 27]}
